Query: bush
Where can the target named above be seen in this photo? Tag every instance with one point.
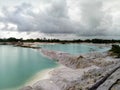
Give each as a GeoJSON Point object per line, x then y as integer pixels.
{"type": "Point", "coordinates": [116, 50]}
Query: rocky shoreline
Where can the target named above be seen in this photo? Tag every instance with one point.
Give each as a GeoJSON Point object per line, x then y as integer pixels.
{"type": "Point", "coordinates": [79, 72]}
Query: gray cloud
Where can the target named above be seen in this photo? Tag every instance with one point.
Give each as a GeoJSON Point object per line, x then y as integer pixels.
{"type": "Point", "coordinates": [94, 18]}
{"type": "Point", "coordinates": [55, 19]}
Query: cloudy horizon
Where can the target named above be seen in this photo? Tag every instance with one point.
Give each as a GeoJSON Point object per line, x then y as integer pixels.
{"type": "Point", "coordinates": [63, 19]}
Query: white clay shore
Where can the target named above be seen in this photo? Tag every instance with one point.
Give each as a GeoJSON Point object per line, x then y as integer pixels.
{"type": "Point", "coordinates": [45, 74]}
{"type": "Point", "coordinates": [77, 72]}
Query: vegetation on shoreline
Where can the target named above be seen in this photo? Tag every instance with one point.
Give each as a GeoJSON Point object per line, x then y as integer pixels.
{"type": "Point", "coordinates": [115, 50]}
{"type": "Point", "coordinates": [60, 41]}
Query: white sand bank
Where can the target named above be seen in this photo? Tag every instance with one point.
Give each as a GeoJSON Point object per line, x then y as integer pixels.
{"type": "Point", "coordinates": [44, 74]}
{"type": "Point", "coordinates": [77, 72]}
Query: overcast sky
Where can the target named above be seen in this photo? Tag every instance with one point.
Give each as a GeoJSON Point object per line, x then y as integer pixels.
{"type": "Point", "coordinates": [67, 19]}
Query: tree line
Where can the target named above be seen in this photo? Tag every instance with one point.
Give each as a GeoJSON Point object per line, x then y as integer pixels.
{"type": "Point", "coordinates": [12, 39]}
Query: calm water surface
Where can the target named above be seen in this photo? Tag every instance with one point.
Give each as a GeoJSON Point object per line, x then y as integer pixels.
{"type": "Point", "coordinates": [18, 65]}
{"type": "Point", "coordinates": [75, 48]}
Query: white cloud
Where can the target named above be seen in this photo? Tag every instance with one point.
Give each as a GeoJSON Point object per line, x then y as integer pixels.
{"type": "Point", "coordinates": [81, 17]}
{"type": "Point", "coordinates": [2, 25]}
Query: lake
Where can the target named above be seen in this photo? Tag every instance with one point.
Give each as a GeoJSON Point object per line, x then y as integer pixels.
{"type": "Point", "coordinates": [18, 65]}
{"type": "Point", "coordinates": [75, 48]}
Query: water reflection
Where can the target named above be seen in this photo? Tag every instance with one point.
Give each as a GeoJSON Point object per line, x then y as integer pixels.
{"type": "Point", "coordinates": [17, 65]}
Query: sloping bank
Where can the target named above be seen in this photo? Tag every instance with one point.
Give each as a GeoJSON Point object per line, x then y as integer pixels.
{"type": "Point", "coordinates": [79, 72]}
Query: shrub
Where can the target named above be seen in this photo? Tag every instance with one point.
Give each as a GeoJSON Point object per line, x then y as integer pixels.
{"type": "Point", "coordinates": [116, 50]}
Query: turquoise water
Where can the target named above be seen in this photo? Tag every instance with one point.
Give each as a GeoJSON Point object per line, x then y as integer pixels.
{"type": "Point", "coordinates": [17, 65]}
{"type": "Point", "coordinates": [75, 48]}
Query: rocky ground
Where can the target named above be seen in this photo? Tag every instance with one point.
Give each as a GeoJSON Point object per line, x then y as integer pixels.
{"type": "Point", "coordinates": [80, 72]}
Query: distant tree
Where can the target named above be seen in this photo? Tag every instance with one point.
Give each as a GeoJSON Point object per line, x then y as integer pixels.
{"type": "Point", "coordinates": [12, 39]}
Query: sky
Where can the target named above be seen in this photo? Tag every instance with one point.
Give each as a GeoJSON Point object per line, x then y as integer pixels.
{"type": "Point", "coordinates": [62, 19]}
